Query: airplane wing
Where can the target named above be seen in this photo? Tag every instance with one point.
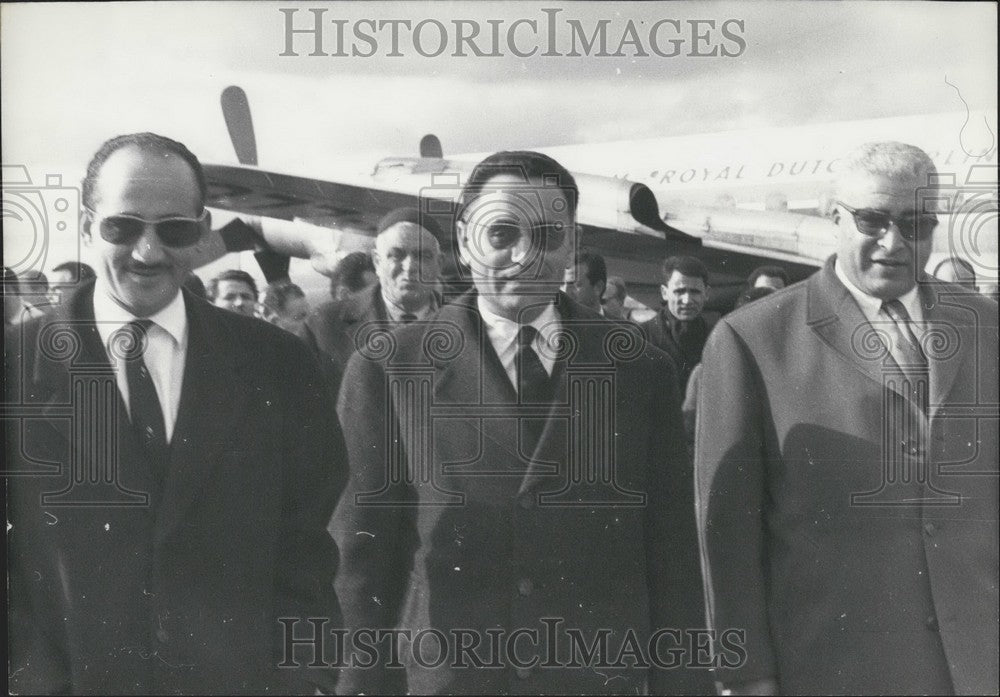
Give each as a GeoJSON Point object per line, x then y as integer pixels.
{"type": "Point", "coordinates": [322, 219]}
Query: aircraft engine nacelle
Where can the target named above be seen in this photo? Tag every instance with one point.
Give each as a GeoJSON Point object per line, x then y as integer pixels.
{"type": "Point", "coordinates": [622, 205]}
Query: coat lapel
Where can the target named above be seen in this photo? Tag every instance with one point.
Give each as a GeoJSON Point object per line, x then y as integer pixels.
{"type": "Point", "coordinates": [949, 338]}
{"type": "Point", "coordinates": [836, 318]}
{"type": "Point", "coordinates": [213, 402]}
{"type": "Point", "coordinates": [475, 375]}
{"type": "Point", "coordinates": [552, 455]}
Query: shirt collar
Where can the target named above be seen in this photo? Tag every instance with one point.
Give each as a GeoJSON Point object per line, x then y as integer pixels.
{"type": "Point", "coordinates": [871, 306]}
{"type": "Point", "coordinates": [396, 313]}
{"type": "Point", "coordinates": [172, 318]}
{"type": "Point", "coordinates": [505, 330]}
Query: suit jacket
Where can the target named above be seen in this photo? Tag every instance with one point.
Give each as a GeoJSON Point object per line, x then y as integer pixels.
{"type": "Point", "coordinates": [111, 594]}
{"type": "Point", "coordinates": [451, 524]}
{"type": "Point", "coordinates": [330, 333]}
{"type": "Point", "coordinates": [685, 355]}
{"type": "Point", "coordinates": [850, 532]}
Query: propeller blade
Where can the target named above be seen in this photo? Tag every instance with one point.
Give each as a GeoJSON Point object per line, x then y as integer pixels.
{"type": "Point", "coordinates": [236, 110]}
{"type": "Point", "coordinates": [273, 265]}
{"type": "Point", "coordinates": [430, 146]}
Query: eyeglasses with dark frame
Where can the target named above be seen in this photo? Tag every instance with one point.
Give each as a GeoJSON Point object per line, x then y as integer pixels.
{"type": "Point", "coordinates": [173, 231]}
{"type": "Point", "coordinates": [875, 223]}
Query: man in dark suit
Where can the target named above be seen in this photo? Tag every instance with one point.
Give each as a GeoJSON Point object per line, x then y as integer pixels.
{"type": "Point", "coordinates": [172, 466]}
{"type": "Point", "coordinates": [407, 261]}
{"type": "Point", "coordinates": [681, 328]}
{"type": "Point", "coordinates": [846, 461]}
{"type": "Point", "coordinates": [519, 487]}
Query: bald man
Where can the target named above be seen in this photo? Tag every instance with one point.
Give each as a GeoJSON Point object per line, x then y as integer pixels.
{"type": "Point", "coordinates": [407, 259]}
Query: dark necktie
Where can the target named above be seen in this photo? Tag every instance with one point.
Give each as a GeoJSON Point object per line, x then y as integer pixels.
{"type": "Point", "coordinates": [408, 317]}
{"type": "Point", "coordinates": [909, 355]}
{"type": "Point", "coordinates": [144, 404]}
{"type": "Point", "coordinates": [533, 384]}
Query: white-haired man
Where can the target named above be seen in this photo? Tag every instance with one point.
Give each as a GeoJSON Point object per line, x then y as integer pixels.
{"type": "Point", "coordinates": [846, 461]}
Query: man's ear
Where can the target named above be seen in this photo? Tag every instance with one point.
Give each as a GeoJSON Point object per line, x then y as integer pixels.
{"type": "Point", "coordinates": [463, 254]}
{"type": "Point", "coordinates": [85, 228]}
{"type": "Point", "coordinates": [664, 293]}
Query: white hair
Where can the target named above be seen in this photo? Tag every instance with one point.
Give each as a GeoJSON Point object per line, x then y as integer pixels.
{"type": "Point", "coordinates": [889, 159]}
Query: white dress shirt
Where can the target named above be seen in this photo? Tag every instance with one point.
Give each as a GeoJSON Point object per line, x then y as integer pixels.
{"type": "Point", "coordinates": [503, 335]}
{"type": "Point", "coordinates": [166, 351]}
{"type": "Point", "coordinates": [871, 307]}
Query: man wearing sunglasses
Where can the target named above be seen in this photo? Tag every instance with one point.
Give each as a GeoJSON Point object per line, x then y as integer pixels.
{"type": "Point", "coordinates": [846, 460]}
{"type": "Point", "coordinates": [192, 461]}
{"type": "Point", "coordinates": [541, 489]}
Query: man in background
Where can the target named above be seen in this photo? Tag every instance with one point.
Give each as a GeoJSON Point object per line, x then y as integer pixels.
{"type": "Point", "coordinates": [233, 290]}
{"type": "Point", "coordinates": [587, 280]}
{"type": "Point", "coordinates": [680, 329]}
{"type": "Point", "coordinates": [773, 277]}
{"type": "Point", "coordinates": [406, 261]}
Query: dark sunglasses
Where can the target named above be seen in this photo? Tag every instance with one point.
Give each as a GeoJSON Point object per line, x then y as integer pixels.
{"type": "Point", "coordinates": [176, 231]}
{"type": "Point", "coordinates": [502, 234]}
{"type": "Point", "coordinates": [875, 223]}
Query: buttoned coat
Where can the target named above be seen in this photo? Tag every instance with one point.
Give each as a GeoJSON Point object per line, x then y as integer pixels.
{"type": "Point", "coordinates": [848, 527]}
{"type": "Point", "coordinates": [451, 523]}
{"type": "Point", "coordinates": [112, 595]}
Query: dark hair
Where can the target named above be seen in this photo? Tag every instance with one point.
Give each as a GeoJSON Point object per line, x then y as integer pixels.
{"type": "Point", "coordinates": [597, 270]}
{"type": "Point", "coordinates": [751, 294]}
{"type": "Point", "coordinates": [212, 289]}
{"type": "Point", "coordinates": [276, 295]}
{"type": "Point", "coordinates": [686, 266]}
{"type": "Point", "coordinates": [525, 165]}
{"type": "Point", "coordinates": [145, 141]}
{"type": "Point", "coordinates": [409, 215]}
{"type": "Point", "coordinates": [77, 269]}
{"type": "Point", "coordinates": [350, 272]}
{"type": "Point", "coordinates": [773, 271]}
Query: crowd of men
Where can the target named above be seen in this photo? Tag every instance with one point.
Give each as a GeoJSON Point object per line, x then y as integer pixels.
{"type": "Point", "coordinates": [565, 496]}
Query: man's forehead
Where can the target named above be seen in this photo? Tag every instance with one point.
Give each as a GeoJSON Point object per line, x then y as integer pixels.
{"type": "Point", "coordinates": [406, 235]}
{"type": "Point", "coordinates": [133, 171]}
{"type": "Point", "coordinates": [677, 279]}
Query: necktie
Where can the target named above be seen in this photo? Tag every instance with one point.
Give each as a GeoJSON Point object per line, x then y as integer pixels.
{"type": "Point", "coordinates": [907, 344]}
{"type": "Point", "coordinates": [908, 353]}
{"type": "Point", "coordinates": [144, 403]}
{"type": "Point", "coordinates": [408, 317]}
{"type": "Point", "coordinates": [533, 384]}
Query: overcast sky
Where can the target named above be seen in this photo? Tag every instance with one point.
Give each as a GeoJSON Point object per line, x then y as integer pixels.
{"type": "Point", "coordinates": [75, 74]}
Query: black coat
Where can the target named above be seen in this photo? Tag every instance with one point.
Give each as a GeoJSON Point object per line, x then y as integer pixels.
{"type": "Point", "coordinates": [112, 596]}
{"type": "Point", "coordinates": [449, 522]}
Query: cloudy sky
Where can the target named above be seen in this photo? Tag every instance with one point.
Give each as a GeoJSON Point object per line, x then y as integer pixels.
{"type": "Point", "coordinates": [76, 74]}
